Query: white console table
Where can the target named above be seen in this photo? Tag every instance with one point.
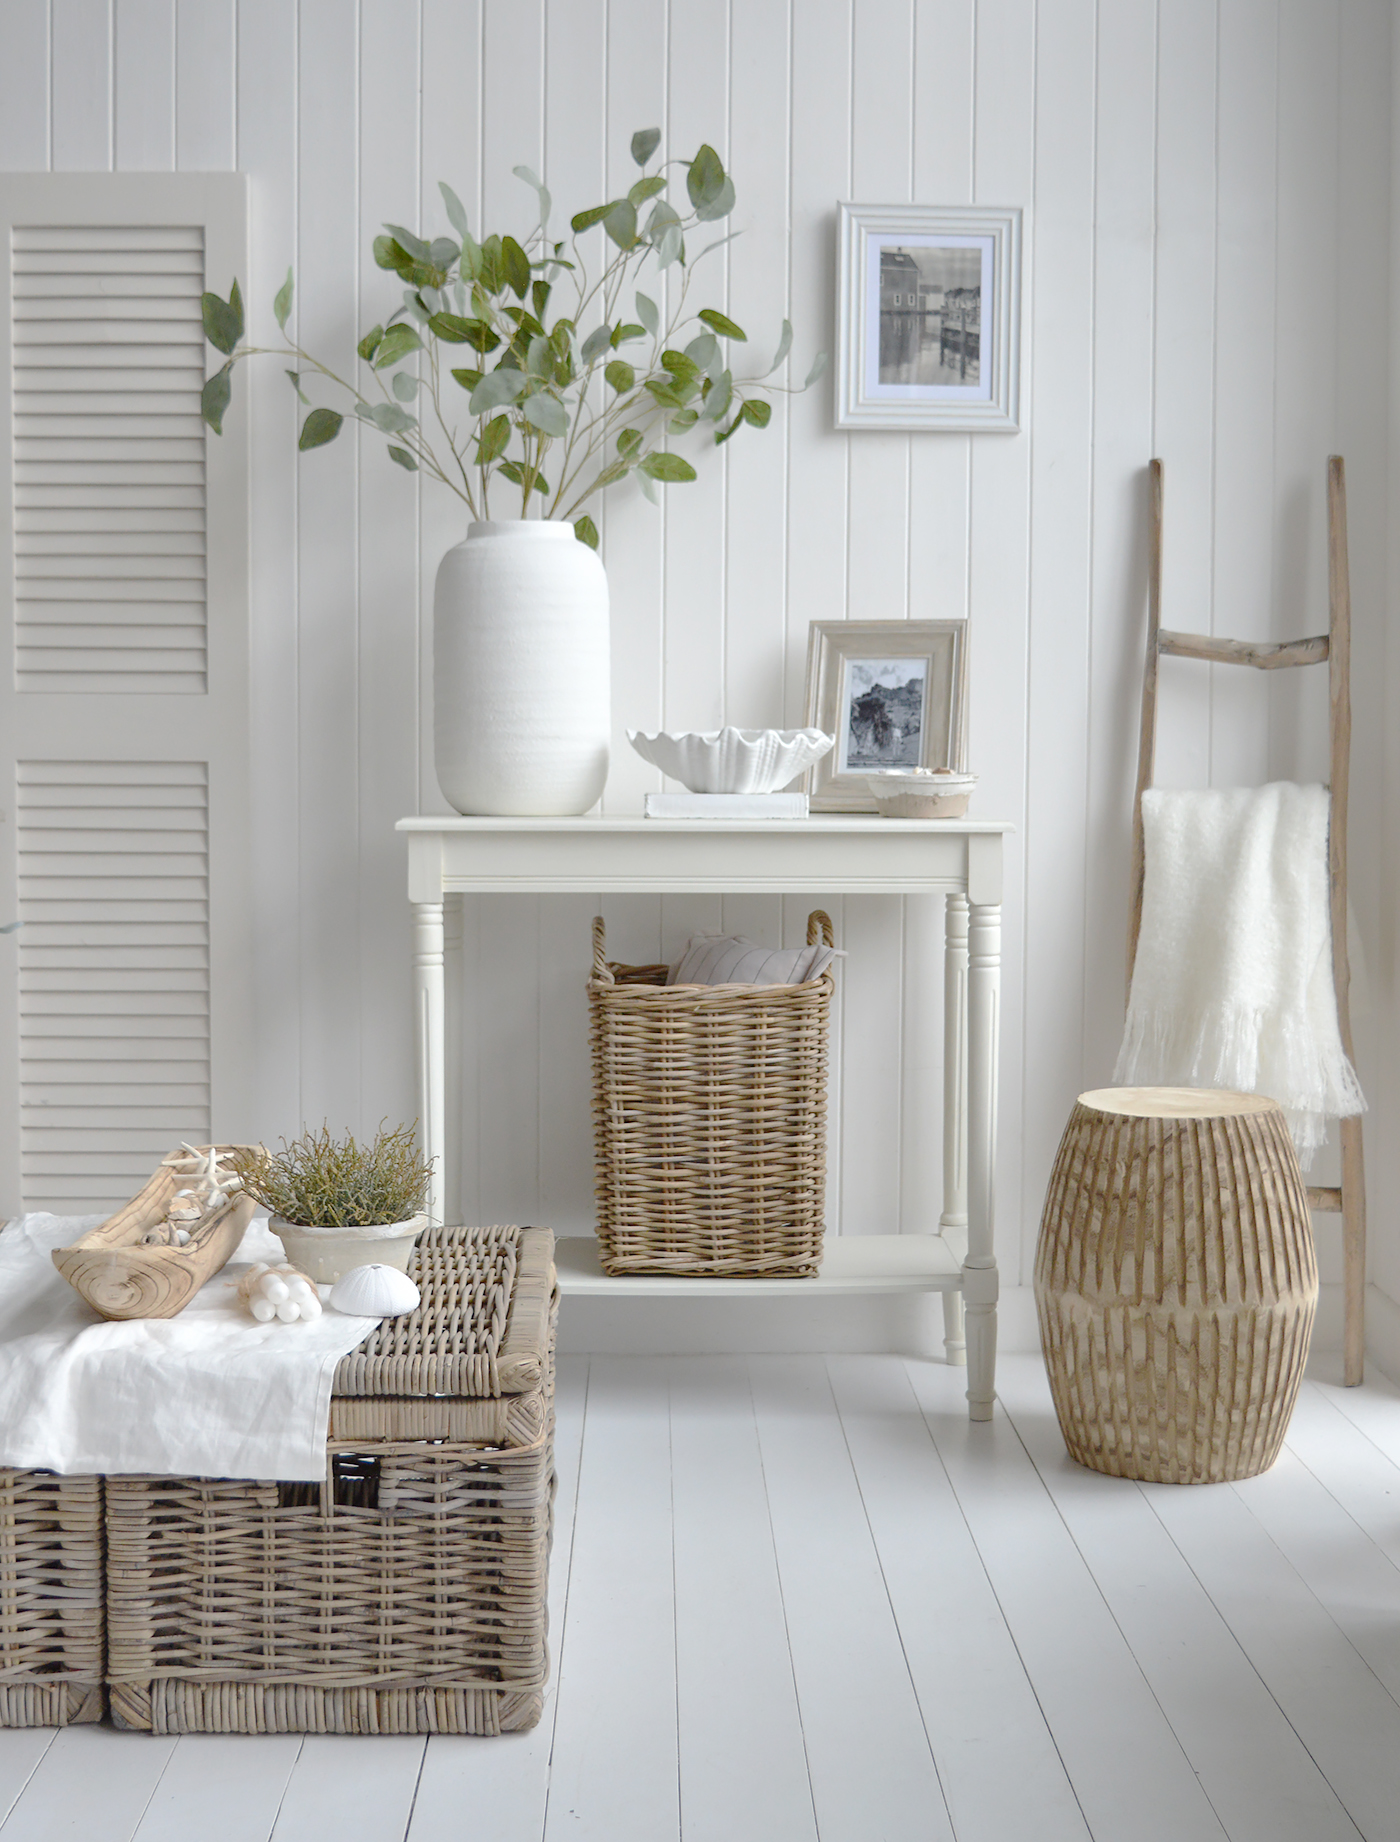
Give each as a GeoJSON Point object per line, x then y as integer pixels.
{"type": "Point", "coordinates": [840, 854]}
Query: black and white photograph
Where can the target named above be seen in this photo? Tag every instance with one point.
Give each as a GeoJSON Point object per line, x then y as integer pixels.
{"type": "Point", "coordinates": [930, 314]}
{"type": "Point", "coordinates": [929, 317]}
{"type": "Point", "coordinates": [882, 714]}
{"type": "Point", "coordinates": [894, 695]}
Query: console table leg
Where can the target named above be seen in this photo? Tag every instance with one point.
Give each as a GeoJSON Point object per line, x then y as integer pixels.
{"type": "Point", "coordinates": [952, 1223]}
{"type": "Point", "coordinates": [980, 1266]}
{"type": "Point", "coordinates": [428, 1011]}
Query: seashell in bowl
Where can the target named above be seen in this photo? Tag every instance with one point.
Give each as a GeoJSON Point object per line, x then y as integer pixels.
{"type": "Point", "coordinates": [732, 760]}
{"type": "Point", "coordinates": [922, 793]}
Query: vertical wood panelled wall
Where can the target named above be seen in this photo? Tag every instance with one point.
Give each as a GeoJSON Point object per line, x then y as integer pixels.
{"type": "Point", "coordinates": [1206, 184]}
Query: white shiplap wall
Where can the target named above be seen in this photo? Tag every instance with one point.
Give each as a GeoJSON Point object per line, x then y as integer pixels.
{"type": "Point", "coordinates": [1206, 186]}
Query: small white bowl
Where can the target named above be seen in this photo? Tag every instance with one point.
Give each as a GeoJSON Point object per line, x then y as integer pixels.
{"type": "Point", "coordinates": [323, 1254]}
{"type": "Point", "coordinates": [732, 760]}
{"type": "Point", "coordinates": [922, 793]}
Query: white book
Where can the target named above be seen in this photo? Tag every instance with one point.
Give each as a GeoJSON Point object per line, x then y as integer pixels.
{"type": "Point", "coordinates": [726, 805]}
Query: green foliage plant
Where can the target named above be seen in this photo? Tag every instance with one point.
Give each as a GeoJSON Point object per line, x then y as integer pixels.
{"type": "Point", "coordinates": [476, 376]}
{"type": "Point", "coordinates": [321, 1182]}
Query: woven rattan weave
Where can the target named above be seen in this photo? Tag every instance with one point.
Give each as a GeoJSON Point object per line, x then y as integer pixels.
{"type": "Point", "coordinates": [709, 1120]}
{"type": "Point", "coordinates": [51, 1636]}
{"type": "Point", "coordinates": [403, 1594]}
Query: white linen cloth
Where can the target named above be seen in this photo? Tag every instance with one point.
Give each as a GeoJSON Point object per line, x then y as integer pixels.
{"type": "Point", "coordinates": [733, 959]}
{"type": "Point", "coordinates": [1232, 986]}
{"type": "Point", "coordinates": [207, 1393]}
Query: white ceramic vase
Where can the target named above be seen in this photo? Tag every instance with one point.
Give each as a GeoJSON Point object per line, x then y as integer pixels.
{"type": "Point", "coordinates": [521, 671]}
{"type": "Point", "coordinates": [326, 1254]}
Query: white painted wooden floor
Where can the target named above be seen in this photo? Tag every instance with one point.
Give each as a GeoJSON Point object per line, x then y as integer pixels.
{"type": "Point", "coordinates": [798, 1598]}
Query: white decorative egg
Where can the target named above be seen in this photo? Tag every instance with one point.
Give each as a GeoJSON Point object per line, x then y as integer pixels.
{"type": "Point", "coordinates": [375, 1292]}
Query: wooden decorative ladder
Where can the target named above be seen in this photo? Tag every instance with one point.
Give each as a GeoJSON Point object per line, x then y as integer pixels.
{"type": "Point", "coordinates": [1334, 649]}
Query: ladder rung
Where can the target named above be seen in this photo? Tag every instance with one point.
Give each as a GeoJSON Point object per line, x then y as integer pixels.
{"type": "Point", "coordinates": [1327, 1200]}
{"type": "Point", "coordinates": [1264, 657]}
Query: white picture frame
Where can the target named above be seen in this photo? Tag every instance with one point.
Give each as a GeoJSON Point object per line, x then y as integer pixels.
{"type": "Point", "coordinates": [942, 351]}
{"type": "Point", "coordinates": [865, 680]}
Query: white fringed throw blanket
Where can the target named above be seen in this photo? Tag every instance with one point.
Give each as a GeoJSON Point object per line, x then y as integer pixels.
{"type": "Point", "coordinates": [1232, 986]}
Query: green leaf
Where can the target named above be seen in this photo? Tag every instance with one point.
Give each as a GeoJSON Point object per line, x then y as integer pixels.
{"type": "Point", "coordinates": [492, 274]}
{"type": "Point", "coordinates": [547, 414]}
{"type": "Point", "coordinates": [223, 320]}
{"type": "Point", "coordinates": [718, 397]}
{"type": "Point", "coordinates": [493, 440]}
{"type": "Point", "coordinates": [784, 347]}
{"type": "Point", "coordinates": [495, 390]}
{"type": "Point", "coordinates": [596, 343]}
{"type": "Point", "coordinates": [648, 487]}
{"type": "Point", "coordinates": [415, 246]}
{"type": "Point", "coordinates": [468, 379]}
{"type": "Point", "coordinates": [718, 243]}
{"type": "Point", "coordinates": [469, 263]}
{"type": "Point", "coordinates": [648, 315]}
{"type": "Point", "coordinates": [282, 303]}
{"type": "Point", "coordinates": [818, 366]}
{"type": "Point", "coordinates": [718, 207]}
{"type": "Point", "coordinates": [680, 364]}
{"type": "Point", "coordinates": [586, 531]}
{"type": "Point", "coordinates": [705, 179]}
{"type": "Point", "coordinates": [321, 426]}
{"type": "Point", "coordinates": [623, 335]}
{"type": "Point", "coordinates": [515, 266]}
{"type": "Point", "coordinates": [644, 144]}
{"type": "Point", "coordinates": [620, 222]}
{"type": "Point", "coordinates": [585, 220]}
{"type": "Point", "coordinates": [513, 470]}
{"type": "Point", "coordinates": [621, 376]}
{"type": "Point", "coordinates": [214, 398]}
{"type": "Point", "coordinates": [405, 386]}
{"type": "Point", "coordinates": [671, 247]}
{"type": "Point", "coordinates": [404, 458]}
{"type": "Point", "coordinates": [396, 345]}
{"type": "Point", "coordinates": [533, 179]}
{"type": "Point", "coordinates": [456, 215]}
{"type": "Point", "coordinates": [721, 324]}
{"type": "Point", "coordinates": [757, 413]}
{"type": "Point", "coordinates": [387, 253]}
{"type": "Point", "coordinates": [456, 330]}
{"type": "Point", "coordinates": [628, 443]}
{"type": "Point", "coordinates": [369, 345]}
{"type": "Point", "coordinates": [618, 470]}
{"type": "Point", "coordinates": [645, 189]}
{"type": "Point", "coordinates": [667, 467]}
{"type": "Point", "coordinates": [539, 357]}
{"type": "Point", "coordinates": [665, 394]}
{"type": "Point", "coordinates": [443, 252]}
{"type": "Point", "coordinates": [296, 385]}
{"type": "Point", "coordinates": [704, 351]}
{"type": "Point", "coordinates": [682, 420]}
{"type": "Point", "coordinates": [539, 297]}
{"type": "Point", "coordinates": [388, 418]}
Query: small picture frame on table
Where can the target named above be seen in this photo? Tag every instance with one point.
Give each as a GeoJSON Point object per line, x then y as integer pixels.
{"type": "Point", "coordinates": [929, 317]}
{"type": "Point", "coordinates": [894, 695]}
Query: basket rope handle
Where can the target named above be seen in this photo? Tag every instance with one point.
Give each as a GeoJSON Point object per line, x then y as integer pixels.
{"type": "Point", "coordinates": [601, 970]}
{"type": "Point", "coordinates": [819, 928]}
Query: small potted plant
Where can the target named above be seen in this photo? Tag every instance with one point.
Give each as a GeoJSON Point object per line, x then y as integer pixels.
{"type": "Point", "coordinates": [336, 1204]}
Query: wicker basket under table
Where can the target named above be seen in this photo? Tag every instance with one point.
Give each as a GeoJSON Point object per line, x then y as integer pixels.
{"type": "Point", "coordinates": [406, 1593]}
{"type": "Point", "coordinates": [51, 1636]}
{"type": "Point", "coordinates": [709, 1120]}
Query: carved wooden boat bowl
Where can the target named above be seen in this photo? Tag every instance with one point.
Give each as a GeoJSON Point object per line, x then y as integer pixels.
{"type": "Point", "coordinates": [122, 1279]}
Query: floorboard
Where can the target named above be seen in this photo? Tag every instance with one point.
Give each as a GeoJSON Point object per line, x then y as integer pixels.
{"type": "Point", "coordinates": [1261, 1783]}
{"type": "Point", "coordinates": [93, 1784]}
{"type": "Point", "coordinates": [495, 1790]}
{"type": "Point", "coordinates": [355, 1790]}
{"type": "Point", "coordinates": [1109, 1727]}
{"type": "Point", "coordinates": [21, 1749]}
{"type": "Point", "coordinates": [872, 1771]}
{"type": "Point", "coordinates": [209, 1788]}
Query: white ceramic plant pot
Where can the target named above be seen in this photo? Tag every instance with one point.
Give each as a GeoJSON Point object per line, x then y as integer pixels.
{"type": "Point", "coordinates": [521, 674]}
{"type": "Point", "coordinates": [323, 1254]}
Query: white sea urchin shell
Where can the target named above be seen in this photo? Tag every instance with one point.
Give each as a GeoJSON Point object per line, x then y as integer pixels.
{"type": "Point", "coordinates": [375, 1292]}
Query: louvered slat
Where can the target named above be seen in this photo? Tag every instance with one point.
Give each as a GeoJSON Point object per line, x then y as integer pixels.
{"type": "Point", "coordinates": [109, 486]}
{"type": "Point", "coordinates": [113, 974]}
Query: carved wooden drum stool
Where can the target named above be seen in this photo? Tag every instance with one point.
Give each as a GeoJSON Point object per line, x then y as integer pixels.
{"type": "Point", "coordinates": [1176, 1283]}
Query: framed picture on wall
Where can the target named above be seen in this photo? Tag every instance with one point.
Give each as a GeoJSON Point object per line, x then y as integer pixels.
{"type": "Point", "coordinates": [894, 695]}
{"type": "Point", "coordinates": [929, 317]}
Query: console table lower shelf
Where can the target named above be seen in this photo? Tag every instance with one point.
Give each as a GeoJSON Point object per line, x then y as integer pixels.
{"type": "Point", "coordinates": [852, 1264]}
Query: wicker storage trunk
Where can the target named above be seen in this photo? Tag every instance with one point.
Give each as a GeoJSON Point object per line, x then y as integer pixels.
{"type": "Point", "coordinates": [405, 1593]}
{"type": "Point", "coordinates": [709, 1120]}
{"type": "Point", "coordinates": [51, 1636]}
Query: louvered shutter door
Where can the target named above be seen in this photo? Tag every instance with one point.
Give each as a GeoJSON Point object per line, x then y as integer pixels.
{"type": "Point", "coordinates": [124, 845]}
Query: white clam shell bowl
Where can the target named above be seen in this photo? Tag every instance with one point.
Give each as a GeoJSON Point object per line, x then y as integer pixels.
{"type": "Point", "coordinates": [732, 760]}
